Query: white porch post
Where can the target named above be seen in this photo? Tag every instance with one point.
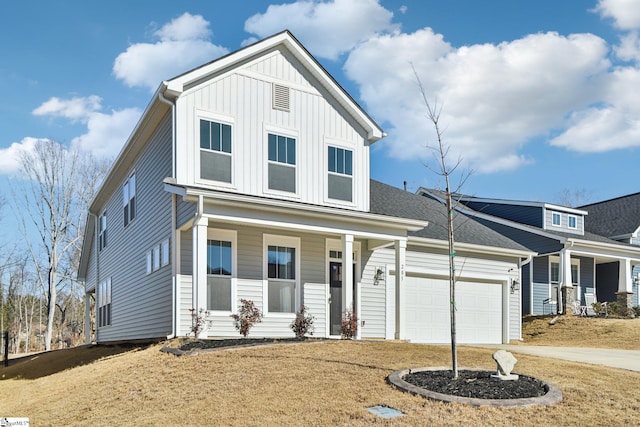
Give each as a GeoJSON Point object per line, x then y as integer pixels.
{"type": "Point", "coordinates": [200, 263]}
{"type": "Point", "coordinates": [625, 286]}
{"type": "Point", "coordinates": [401, 249]}
{"type": "Point", "coordinates": [566, 285]}
{"type": "Point", "coordinates": [347, 273]}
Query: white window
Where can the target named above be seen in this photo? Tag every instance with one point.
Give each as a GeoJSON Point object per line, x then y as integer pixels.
{"type": "Point", "coordinates": [554, 272]}
{"type": "Point", "coordinates": [149, 262]}
{"type": "Point", "coordinates": [340, 171]}
{"type": "Point", "coordinates": [282, 273]}
{"type": "Point", "coordinates": [215, 151]}
{"type": "Point", "coordinates": [221, 267]}
{"type": "Point", "coordinates": [156, 257]}
{"type": "Point", "coordinates": [102, 231]}
{"type": "Point", "coordinates": [165, 253]}
{"type": "Point", "coordinates": [281, 163]}
{"type": "Point", "coordinates": [575, 273]}
{"type": "Point", "coordinates": [573, 221]}
{"type": "Point", "coordinates": [555, 219]}
{"type": "Point", "coordinates": [129, 199]}
{"type": "Point", "coordinates": [104, 303]}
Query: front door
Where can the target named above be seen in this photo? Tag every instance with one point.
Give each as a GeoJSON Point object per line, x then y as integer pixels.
{"type": "Point", "coordinates": [335, 294]}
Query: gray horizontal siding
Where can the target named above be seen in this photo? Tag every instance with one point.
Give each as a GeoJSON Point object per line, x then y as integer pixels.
{"type": "Point", "coordinates": [541, 293]}
{"type": "Point", "coordinates": [185, 211]}
{"type": "Point", "coordinates": [141, 303]}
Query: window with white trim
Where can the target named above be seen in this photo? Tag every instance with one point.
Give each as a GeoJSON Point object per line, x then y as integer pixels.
{"type": "Point", "coordinates": [555, 219]}
{"type": "Point", "coordinates": [575, 273]}
{"type": "Point", "coordinates": [129, 199]}
{"type": "Point", "coordinates": [221, 266]}
{"type": "Point", "coordinates": [165, 250]}
{"type": "Point", "coordinates": [281, 163]}
{"type": "Point", "coordinates": [573, 221]}
{"type": "Point", "coordinates": [102, 231]}
{"type": "Point", "coordinates": [104, 303]}
{"type": "Point", "coordinates": [215, 151]}
{"type": "Point", "coordinates": [554, 272]}
{"type": "Point", "coordinates": [282, 271]}
{"type": "Point", "coordinates": [340, 171]}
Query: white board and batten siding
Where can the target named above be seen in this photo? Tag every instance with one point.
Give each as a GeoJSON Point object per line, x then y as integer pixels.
{"type": "Point", "coordinates": [141, 304]}
{"type": "Point", "coordinates": [243, 98]}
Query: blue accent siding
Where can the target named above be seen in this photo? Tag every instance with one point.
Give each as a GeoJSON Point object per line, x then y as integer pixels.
{"type": "Point", "coordinates": [530, 215]}
{"type": "Point", "coordinates": [526, 289]}
{"type": "Point", "coordinates": [607, 281]}
{"type": "Point", "coordinates": [541, 269]}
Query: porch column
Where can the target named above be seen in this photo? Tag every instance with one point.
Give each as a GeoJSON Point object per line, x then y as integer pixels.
{"type": "Point", "coordinates": [401, 249]}
{"type": "Point", "coordinates": [199, 289]}
{"type": "Point", "coordinates": [567, 292]}
{"type": "Point", "coordinates": [625, 287]}
{"type": "Point", "coordinates": [347, 274]}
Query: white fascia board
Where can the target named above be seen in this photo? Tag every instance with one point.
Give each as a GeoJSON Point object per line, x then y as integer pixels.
{"type": "Point", "coordinates": [303, 209]}
{"type": "Point", "coordinates": [604, 249]}
{"type": "Point", "coordinates": [301, 227]}
{"type": "Point", "coordinates": [470, 247]}
{"type": "Point", "coordinates": [177, 85]}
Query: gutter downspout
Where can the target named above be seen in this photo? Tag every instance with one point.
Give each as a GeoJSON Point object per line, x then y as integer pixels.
{"type": "Point", "coordinates": [522, 263]}
{"type": "Point", "coordinates": [194, 277]}
{"type": "Point", "coordinates": [174, 232]}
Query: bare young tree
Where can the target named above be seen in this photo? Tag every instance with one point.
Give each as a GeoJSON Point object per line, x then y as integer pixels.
{"type": "Point", "coordinates": [50, 199]}
{"type": "Point", "coordinates": [440, 151]}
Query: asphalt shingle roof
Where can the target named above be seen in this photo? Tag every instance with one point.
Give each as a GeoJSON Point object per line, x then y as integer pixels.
{"type": "Point", "coordinates": [615, 217]}
{"type": "Point", "coordinates": [392, 201]}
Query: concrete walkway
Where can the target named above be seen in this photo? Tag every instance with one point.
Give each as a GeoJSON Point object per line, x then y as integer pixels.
{"type": "Point", "coordinates": [624, 359]}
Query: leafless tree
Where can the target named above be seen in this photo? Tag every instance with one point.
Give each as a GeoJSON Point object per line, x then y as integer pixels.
{"type": "Point", "coordinates": [50, 199]}
{"type": "Point", "coordinates": [574, 198]}
{"type": "Point", "coordinates": [441, 167]}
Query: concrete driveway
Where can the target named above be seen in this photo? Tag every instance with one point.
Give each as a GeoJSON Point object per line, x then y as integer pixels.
{"type": "Point", "coordinates": [624, 359]}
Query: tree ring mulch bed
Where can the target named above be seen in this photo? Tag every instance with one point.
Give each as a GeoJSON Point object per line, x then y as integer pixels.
{"type": "Point", "coordinates": [475, 387]}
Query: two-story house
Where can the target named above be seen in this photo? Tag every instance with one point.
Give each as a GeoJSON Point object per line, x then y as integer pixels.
{"type": "Point", "coordinates": [248, 178]}
{"type": "Point", "coordinates": [573, 267]}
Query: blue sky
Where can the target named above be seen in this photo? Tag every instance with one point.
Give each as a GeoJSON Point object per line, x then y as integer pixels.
{"type": "Point", "coordinates": [538, 96]}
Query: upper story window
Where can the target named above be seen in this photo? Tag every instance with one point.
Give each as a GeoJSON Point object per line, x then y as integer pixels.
{"type": "Point", "coordinates": [215, 151]}
{"type": "Point", "coordinates": [555, 219]}
{"type": "Point", "coordinates": [573, 221]}
{"type": "Point", "coordinates": [282, 163]}
{"type": "Point", "coordinates": [102, 231]}
{"type": "Point", "coordinates": [220, 269]}
{"type": "Point", "coordinates": [340, 181]}
{"type": "Point", "coordinates": [129, 199]}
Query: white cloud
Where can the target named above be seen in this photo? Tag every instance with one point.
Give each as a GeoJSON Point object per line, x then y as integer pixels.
{"type": "Point", "coordinates": [614, 124]}
{"type": "Point", "coordinates": [76, 109]}
{"type": "Point", "coordinates": [495, 98]}
{"type": "Point", "coordinates": [107, 133]}
{"type": "Point", "coordinates": [184, 44]}
{"type": "Point", "coordinates": [10, 156]}
{"type": "Point", "coordinates": [629, 47]}
{"type": "Point", "coordinates": [327, 29]}
{"type": "Point", "coordinates": [625, 13]}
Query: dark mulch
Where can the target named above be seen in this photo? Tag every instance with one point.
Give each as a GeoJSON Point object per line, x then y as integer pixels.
{"type": "Point", "coordinates": [205, 344]}
{"type": "Point", "coordinates": [476, 384]}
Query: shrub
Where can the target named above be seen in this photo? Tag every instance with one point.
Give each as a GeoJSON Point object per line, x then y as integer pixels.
{"type": "Point", "coordinates": [247, 316]}
{"type": "Point", "coordinates": [303, 323]}
{"type": "Point", "coordinates": [349, 327]}
{"type": "Point", "coordinates": [199, 321]}
{"type": "Point", "coordinates": [636, 311]}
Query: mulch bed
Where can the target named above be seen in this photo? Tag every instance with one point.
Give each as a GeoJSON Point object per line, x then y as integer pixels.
{"type": "Point", "coordinates": [476, 384]}
{"type": "Point", "coordinates": [212, 344]}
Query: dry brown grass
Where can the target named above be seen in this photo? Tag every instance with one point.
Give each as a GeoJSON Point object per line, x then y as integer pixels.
{"type": "Point", "coordinates": [575, 331]}
{"type": "Point", "coordinates": [317, 383]}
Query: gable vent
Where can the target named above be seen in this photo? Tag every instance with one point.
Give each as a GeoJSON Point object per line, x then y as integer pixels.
{"type": "Point", "coordinates": [280, 97]}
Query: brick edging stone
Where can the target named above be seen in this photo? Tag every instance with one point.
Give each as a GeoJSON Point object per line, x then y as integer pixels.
{"type": "Point", "coordinates": [553, 395]}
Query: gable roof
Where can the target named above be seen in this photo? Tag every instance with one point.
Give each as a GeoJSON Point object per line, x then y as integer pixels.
{"type": "Point", "coordinates": [614, 218]}
{"type": "Point", "coordinates": [177, 85]}
{"type": "Point", "coordinates": [392, 201]}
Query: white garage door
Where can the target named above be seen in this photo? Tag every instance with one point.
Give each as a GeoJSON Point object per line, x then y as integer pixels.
{"type": "Point", "coordinates": [478, 315]}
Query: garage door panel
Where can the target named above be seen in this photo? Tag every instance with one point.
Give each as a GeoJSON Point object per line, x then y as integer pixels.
{"type": "Point", "coordinates": [478, 314]}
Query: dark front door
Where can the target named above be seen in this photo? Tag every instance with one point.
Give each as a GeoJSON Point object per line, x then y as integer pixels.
{"type": "Point", "coordinates": [335, 293]}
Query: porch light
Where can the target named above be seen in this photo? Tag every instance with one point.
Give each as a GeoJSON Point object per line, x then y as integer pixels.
{"type": "Point", "coordinates": [515, 285]}
{"type": "Point", "coordinates": [378, 277]}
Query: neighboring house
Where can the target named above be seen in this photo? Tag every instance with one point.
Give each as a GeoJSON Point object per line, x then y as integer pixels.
{"type": "Point", "coordinates": [618, 219]}
{"type": "Point", "coordinates": [572, 264]}
{"type": "Point", "coordinates": [248, 178]}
